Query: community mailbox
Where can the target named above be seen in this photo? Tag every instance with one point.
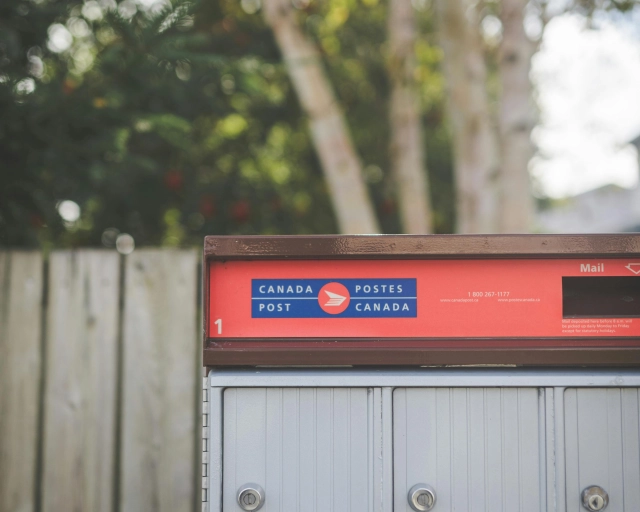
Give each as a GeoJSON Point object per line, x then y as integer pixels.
{"type": "Point", "coordinates": [400, 373]}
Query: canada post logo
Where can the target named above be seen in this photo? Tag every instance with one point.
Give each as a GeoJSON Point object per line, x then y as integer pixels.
{"type": "Point", "coordinates": [333, 298]}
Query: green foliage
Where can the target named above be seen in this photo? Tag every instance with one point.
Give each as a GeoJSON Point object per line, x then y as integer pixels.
{"type": "Point", "coordinates": [169, 124]}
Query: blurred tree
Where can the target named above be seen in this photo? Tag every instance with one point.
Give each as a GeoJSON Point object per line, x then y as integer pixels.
{"type": "Point", "coordinates": [516, 119]}
{"type": "Point", "coordinates": [407, 142]}
{"type": "Point", "coordinates": [474, 138]}
{"type": "Point", "coordinates": [24, 204]}
{"type": "Point", "coordinates": [165, 124]}
{"type": "Point", "coordinates": [329, 131]}
{"type": "Point", "coordinates": [508, 55]}
{"type": "Point", "coordinates": [171, 122]}
{"type": "Point", "coordinates": [352, 39]}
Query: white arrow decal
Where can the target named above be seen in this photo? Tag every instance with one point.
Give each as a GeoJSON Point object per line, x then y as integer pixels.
{"type": "Point", "coordinates": [334, 299]}
{"type": "Point", "coordinates": [633, 267]}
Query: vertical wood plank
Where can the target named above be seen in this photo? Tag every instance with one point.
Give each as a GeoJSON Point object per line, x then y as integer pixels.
{"type": "Point", "coordinates": [20, 368]}
{"type": "Point", "coordinates": [81, 381]}
{"type": "Point", "coordinates": [160, 346]}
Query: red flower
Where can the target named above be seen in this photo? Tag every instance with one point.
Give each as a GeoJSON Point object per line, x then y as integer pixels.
{"type": "Point", "coordinates": [207, 206]}
{"type": "Point", "coordinates": [68, 86]}
{"type": "Point", "coordinates": [173, 179]}
{"type": "Point", "coordinates": [240, 211]}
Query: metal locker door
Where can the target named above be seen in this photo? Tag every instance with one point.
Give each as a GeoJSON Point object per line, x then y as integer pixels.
{"type": "Point", "coordinates": [601, 444]}
{"type": "Point", "coordinates": [305, 449]}
{"type": "Point", "coordinates": [479, 449]}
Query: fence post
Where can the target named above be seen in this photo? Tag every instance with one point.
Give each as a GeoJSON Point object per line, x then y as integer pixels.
{"type": "Point", "coordinates": [20, 367]}
{"type": "Point", "coordinates": [81, 381]}
{"type": "Point", "coordinates": [160, 346]}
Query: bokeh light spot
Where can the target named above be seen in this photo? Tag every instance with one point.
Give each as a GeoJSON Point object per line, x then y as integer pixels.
{"type": "Point", "coordinates": [60, 38]}
{"type": "Point", "coordinates": [109, 237]}
{"type": "Point", "coordinates": [250, 6]}
{"type": "Point", "coordinates": [69, 210]}
{"type": "Point", "coordinates": [125, 244]}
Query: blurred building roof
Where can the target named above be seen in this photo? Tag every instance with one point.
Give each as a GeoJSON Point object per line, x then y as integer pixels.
{"type": "Point", "coordinates": [608, 209]}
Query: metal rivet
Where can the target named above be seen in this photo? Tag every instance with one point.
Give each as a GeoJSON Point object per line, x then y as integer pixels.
{"type": "Point", "coordinates": [421, 497]}
{"type": "Point", "coordinates": [250, 497]}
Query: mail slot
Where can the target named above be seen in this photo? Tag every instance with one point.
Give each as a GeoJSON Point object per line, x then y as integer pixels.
{"type": "Point", "coordinates": [411, 373]}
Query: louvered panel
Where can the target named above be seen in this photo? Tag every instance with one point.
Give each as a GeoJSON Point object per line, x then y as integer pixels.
{"type": "Point", "coordinates": [477, 447]}
{"type": "Point", "coordinates": [309, 449]}
{"type": "Point", "coordinates": [602, 447]}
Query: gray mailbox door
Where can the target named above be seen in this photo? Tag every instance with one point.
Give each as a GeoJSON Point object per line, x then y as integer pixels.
{"type": "Point", "coordinates": [602, 446]}
{"type": "Point", "coordinates": [307, 449]}
{"type": "Point", "coordinates": [479, 449]}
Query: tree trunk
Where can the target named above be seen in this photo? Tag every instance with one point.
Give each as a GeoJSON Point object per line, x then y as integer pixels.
{"type": "Point", "coordinates": [329, 131]}
{"type": "Point", "coordinates": [407, 153]}
{"type": "Point", "coordinates": [516, 119]}
{"type": "Point", "coordinates": [474, 138]}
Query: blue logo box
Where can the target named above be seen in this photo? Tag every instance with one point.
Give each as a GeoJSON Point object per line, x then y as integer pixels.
{"type": "Point", "coordinates": [367, 298]}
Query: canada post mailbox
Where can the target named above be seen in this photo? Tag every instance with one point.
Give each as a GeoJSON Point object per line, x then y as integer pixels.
{"type": "Point", "coordinates": [415, 373]}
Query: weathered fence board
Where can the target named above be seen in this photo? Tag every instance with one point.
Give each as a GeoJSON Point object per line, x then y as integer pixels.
{"type": "Point", "coordinates": [104, 398]}
{"type": "Point", "coordinates": [81, 381]}
{"type": "Point", "coordinates": [159, 382]}
{"type": "Point", "coordinates": [20, 370]}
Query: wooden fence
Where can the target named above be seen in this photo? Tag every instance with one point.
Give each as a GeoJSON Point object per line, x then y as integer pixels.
{"type": "Point", "coordinates": [100, 380]}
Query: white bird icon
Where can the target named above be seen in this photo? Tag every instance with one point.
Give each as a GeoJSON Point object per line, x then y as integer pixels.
{"type": "Point", "coordinates": [334, 299]}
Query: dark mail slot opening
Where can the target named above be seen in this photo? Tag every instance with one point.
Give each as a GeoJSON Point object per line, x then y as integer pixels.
{"type": "Point", "coordinates": [600, 297]}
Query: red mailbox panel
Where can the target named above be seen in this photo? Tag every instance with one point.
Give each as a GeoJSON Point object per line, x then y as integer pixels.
{"type": "Point", "coordinates": [451, 299]}
{"type": "Point", "coordinates": [513, 301]}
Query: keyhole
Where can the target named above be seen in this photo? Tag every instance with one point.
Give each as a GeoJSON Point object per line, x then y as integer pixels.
{"type": "Point", "coordinates": [421, 497]}
{"type": "Point", "coordinates": [594, 498]}
{"type": "Point", "coordinates": [249, 499]}
{"type": "Point", "coordinates": [596, 502]}
{"type": "Point", "coordinates": [424, 500]}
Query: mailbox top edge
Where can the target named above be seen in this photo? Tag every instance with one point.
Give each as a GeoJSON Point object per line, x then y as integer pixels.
{"type": "Point", "coordinates": [249, 247]}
